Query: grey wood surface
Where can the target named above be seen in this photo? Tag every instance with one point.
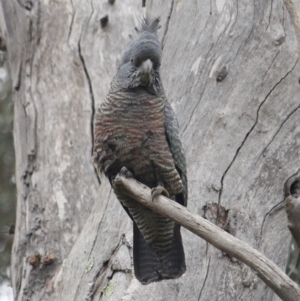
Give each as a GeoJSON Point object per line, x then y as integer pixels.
{"type": "Point", "coordinates": [235, 248]}
{"type": "Point", "coordinates": [230, 70]}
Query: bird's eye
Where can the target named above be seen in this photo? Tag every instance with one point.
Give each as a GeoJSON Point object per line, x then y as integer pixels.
{"type": "Point", "coordinates": [131, 60]}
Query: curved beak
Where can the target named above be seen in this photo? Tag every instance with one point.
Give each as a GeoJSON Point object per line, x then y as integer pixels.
{"type": "Point", "coordinates": [146, 72]}
{"type": "Point", "coordinates": [146, 66]}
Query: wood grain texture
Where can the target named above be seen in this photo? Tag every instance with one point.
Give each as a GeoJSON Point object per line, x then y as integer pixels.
{"type": "Point", "coordinates": [272, 275]}
{"type": "Point", "coordinates": [230, 70]}
{"type": "Point", "coordinates": [241, 134]}
{"type": "Point", "coordinates": [54, 105]}
{"type": "Point", "coordinates": [293, 7]}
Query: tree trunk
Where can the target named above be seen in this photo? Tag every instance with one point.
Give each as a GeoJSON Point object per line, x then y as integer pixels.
{"type": "Point", "coordinates": [231, 74]}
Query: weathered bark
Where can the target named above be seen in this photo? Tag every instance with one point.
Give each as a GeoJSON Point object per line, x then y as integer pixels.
{"type": "Point", "coordinates": [48, 43]}
{"type": "Point", "coordinates": [230, 71]}
{"type": "Point", "coordinates": [265, 269]}
{"type": "Point", "coordinates": [293, 7]}
{"type": "Point", "coordinates": [292, 187]}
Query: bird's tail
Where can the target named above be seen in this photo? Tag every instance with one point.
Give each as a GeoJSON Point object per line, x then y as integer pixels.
{"type": "Point", "coordinates": [149, 266]}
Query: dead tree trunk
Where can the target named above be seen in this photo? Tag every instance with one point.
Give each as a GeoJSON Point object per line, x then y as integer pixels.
{"type": "Point", "coordinates": [230, 69]}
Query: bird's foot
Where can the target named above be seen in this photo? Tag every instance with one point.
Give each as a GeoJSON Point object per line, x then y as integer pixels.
{"type": "Point", "coordinates": [125, 173]}
{"type": "Point", "coordinates": [159, 190]}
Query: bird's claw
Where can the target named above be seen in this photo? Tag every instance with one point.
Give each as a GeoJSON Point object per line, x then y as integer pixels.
{"type": "Point", "coordinates": [159, 190]}
{"type": "Point", "coordinates": [125, 173]}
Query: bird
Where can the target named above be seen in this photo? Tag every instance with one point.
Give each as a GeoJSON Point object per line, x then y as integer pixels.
{"type": "Point", "coordinates": [136, 132]}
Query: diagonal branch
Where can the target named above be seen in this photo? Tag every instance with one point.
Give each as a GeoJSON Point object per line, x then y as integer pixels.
{"type": "Point", "coordinates": [268, 271]}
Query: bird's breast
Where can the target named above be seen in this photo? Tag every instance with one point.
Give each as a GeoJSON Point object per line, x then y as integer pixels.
{"type": "Point", "coordinates": [129, 131]}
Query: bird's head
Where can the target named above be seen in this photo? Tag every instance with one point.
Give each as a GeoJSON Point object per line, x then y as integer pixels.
{"type": "Point", "coordinates": [141, 61]}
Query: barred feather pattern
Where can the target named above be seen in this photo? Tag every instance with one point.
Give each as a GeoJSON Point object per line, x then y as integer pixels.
{"type": "Point", "coordinates": [129, 131]}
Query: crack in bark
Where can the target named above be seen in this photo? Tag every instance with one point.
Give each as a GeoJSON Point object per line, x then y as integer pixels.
{"type": "Point", "coordinates": [31, 120]}
{"type": "Point", "coordinates": [28, 4]}
{"type": "Point", "coordinates": [275, 57]}
{"type": "Point", "coordinates": [225, 29]}
{"type": "Point", "coordinates": [283, 19]}
{"type": "Point", "coordinates": [237, 11]}
{"type": "Point", "coordinates": [38, 23]}
{"type": "Point", "coordinates": [280, 127]}
{"type": "Point", "coordinates": [206, 276]}
{"type": "Point", "coordinates": [192, 114]}
{"type": "Point", "coordinates": [90, 90]}
{"type": "Point", "coordinates": [167, 24]}
{"type": "Point", "coordinates": [250, 33]}
{"type": "Point", "coordinates": [19, 77]}
{"type": "Point", "coordinates": [229, 22]}
{"type": "Point", "coordinates": [246, 41]}
{"type": "Point", "coordinates": [89, 83]}
{"type": "Point", "coordinates": [72, 21]}
{"type": "Point", "coordinates": [106, 265]}
{"type": "Point", "coordinates": [198, 102]}
{"type": "Point", "coordinates": [251, 130]}
{"type": "Point", "coordinates": [27, 103]}
{"type": "Point", "coordinates": [28, 188]}
{"type": "Point", "coordinates": [271, 211]}
{"type": "Point", "coordinates": [92, 6]}
{"type": "Point", "coordinates": [94, 242]}
{"type": "Point", "coordinates": [270, 15]}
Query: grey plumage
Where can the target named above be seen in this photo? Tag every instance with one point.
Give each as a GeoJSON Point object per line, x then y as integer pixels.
{"type": "Point", "coordinates": [136, 128]}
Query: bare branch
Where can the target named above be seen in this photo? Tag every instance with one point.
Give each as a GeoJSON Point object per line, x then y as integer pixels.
{"type": "Point", "coordinates": [270, 273]}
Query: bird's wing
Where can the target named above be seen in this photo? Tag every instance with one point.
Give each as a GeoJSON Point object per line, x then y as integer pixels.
{"type": "Point", "coordinates": [176, 148]}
